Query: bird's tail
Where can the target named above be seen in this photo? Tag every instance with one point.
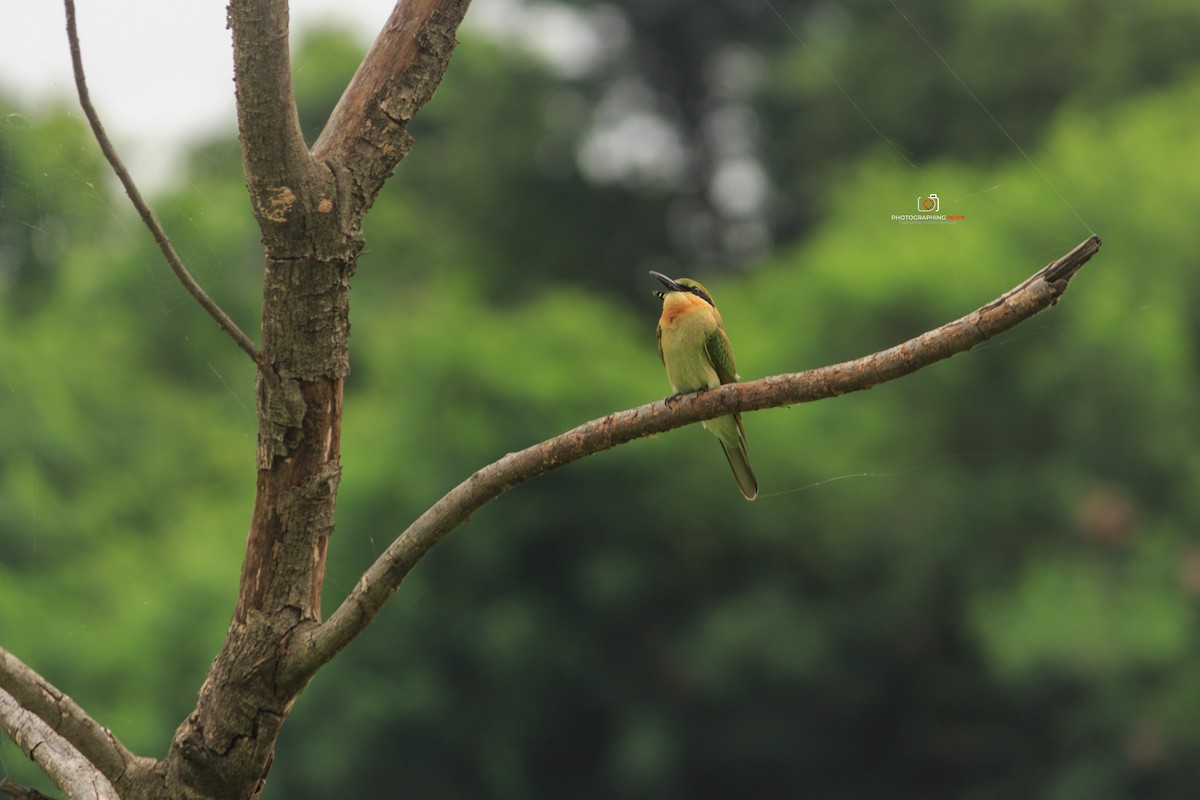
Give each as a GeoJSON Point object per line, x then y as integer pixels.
{"type": "Point", "coordinates": [733, 441]}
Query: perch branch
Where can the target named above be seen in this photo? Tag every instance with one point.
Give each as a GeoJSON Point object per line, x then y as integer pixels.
{"type": "Point", "coordinates": [1040, 291]}
{"type": "Point", "coordinates": [135, 196]}
{"type": "Point", "coordinates": [65, 719]}
{"type": "Point", "coordinates": [70, 771]}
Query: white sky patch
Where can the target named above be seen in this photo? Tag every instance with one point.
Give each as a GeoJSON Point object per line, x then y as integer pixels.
{"type": "Point", "coordinates": [153, 68]}
{"type": "Point", "coordinates": [161, 74]}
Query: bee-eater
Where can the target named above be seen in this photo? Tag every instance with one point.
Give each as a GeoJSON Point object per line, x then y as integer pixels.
{"type": "Point", "coordinates": [697, 354]}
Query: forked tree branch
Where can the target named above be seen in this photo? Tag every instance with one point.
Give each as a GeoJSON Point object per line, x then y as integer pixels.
{"type": "Point", "coordinates": [71, 771]}
{"type": "Point", "coordinates": [135, 196]}
{"type": "Point", "coordinates": [1040, 291]}
{"type": "Point", "coordinates": [64, 718]}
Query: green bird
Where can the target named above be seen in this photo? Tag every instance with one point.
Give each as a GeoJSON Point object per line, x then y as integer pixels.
{"type": "Point", "coordinates": [697, 354]}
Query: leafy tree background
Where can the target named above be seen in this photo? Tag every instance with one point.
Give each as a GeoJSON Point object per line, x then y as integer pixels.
{"type": "Point", "coordinates": [981, 581]}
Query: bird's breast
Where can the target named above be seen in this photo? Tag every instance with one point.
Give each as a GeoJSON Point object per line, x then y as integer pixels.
{"type": "Point", "coordinates": [684, 334]}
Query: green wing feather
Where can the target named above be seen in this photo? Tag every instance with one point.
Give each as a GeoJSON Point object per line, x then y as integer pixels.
{"type": "Point", "coordinates": [732, 437]}
{"type": "Point", "coordinates": [720, 355]}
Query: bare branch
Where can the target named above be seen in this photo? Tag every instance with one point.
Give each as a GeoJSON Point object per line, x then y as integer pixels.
{"type": "Point", "coordinates": [70, 771]}
{"type": "Point", "coordinates": [380, 581]}
{"type": "Point", "coordinates": [65, 719]}
{"type": "Point", "coordinates": [367, 132]}
{"type": "Point", "coordinates": [291, 192]}
{"type": "Point", "coordinates": [135, 196]}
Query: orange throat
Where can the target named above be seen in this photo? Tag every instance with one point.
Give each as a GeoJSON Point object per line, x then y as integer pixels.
{"type": "Point", "coordinates": [676, 304]}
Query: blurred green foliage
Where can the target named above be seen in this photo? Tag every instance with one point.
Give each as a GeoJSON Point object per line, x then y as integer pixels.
{"type": "Point", "coordinates": [979, 581]}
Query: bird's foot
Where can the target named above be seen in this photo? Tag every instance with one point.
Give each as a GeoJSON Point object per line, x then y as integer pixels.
{"type": "Point", "coordinates": [675, 398]}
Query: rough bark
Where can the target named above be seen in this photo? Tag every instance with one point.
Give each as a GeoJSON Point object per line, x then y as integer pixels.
{"type": "Point", "coordinates": [367, 134]}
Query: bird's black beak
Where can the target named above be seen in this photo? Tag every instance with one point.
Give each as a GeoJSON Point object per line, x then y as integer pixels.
{"type": "Point", "coordinates": [667, 282]}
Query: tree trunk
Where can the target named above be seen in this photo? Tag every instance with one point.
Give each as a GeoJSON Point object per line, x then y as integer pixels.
{"type": "Point", "coordinates": [310, 211]}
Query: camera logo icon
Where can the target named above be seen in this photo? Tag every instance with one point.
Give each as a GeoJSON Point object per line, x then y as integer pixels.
{"type": "Point", "coordinates": [929, 205]}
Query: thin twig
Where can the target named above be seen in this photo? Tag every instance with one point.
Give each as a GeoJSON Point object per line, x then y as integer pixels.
{"type": "Point", "coordinates": [143, 210]}
{"type": "Point", "coordinates": [1040, 291]}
